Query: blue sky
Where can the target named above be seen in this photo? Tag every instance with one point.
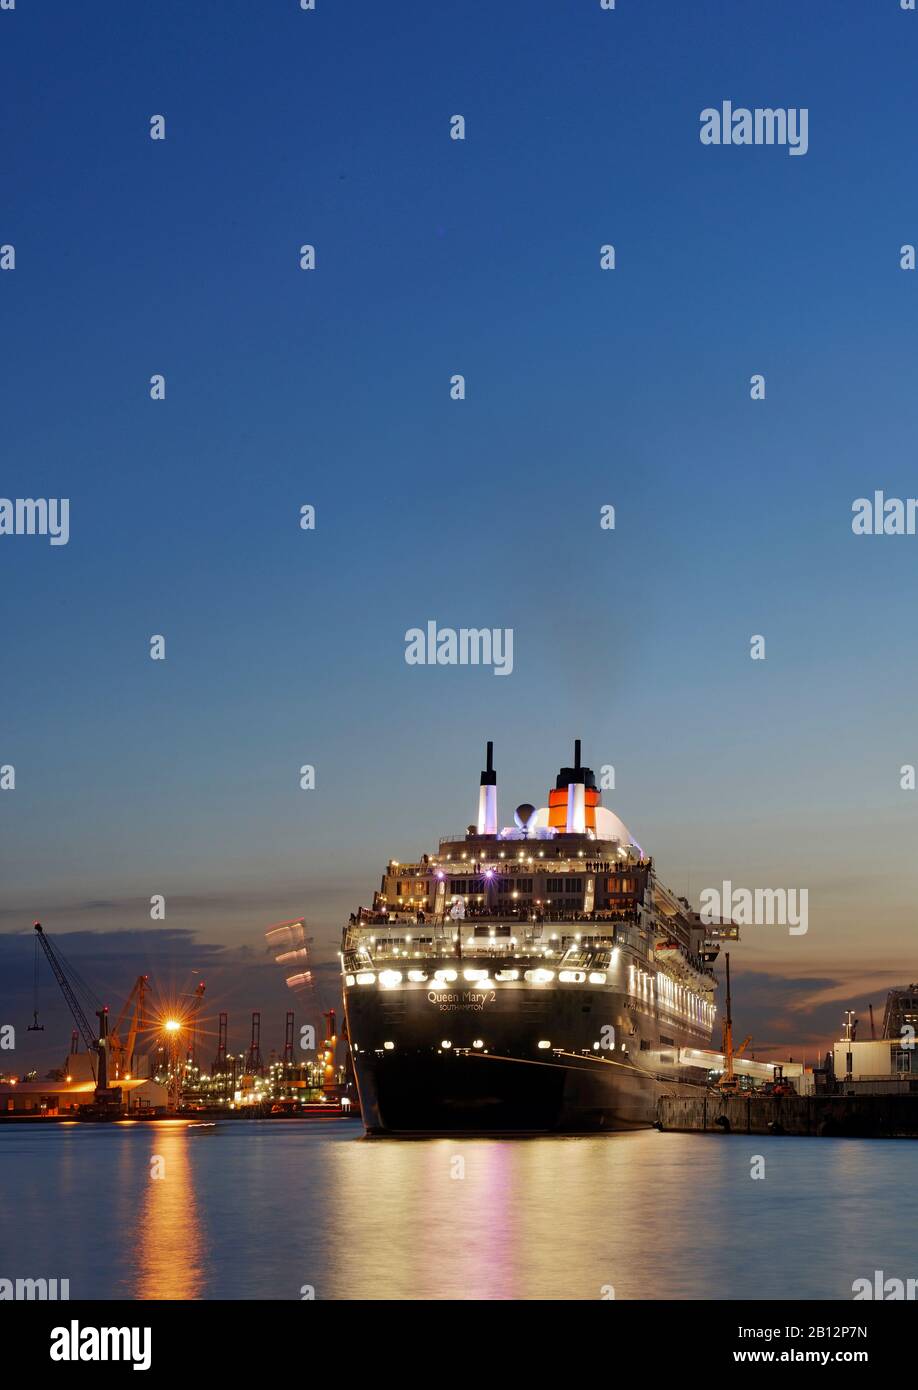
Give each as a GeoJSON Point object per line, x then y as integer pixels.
{"type": "Point", "coordinates": [332, 388]}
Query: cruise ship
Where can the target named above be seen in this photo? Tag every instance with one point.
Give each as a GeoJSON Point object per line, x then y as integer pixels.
{"type": "Point", "coordinates": [528, 979]}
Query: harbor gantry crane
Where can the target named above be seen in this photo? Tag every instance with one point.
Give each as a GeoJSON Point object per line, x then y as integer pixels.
{"type": "Point", "coordinates": [329, 1079]}
{"type": "Point", "coordinates": [122, 1050]}
{"type": "Point", "coordinates": [106, 1097]}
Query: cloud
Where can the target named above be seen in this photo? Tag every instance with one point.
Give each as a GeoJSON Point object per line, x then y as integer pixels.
{"type": "Point", "coordinates": [789, 1016]}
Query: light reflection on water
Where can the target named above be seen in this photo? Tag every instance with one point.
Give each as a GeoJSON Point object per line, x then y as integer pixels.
{"type": "Point", "coordinates": [170, 1261]}
{"type": "Point", "coordinates": [262, 1209]}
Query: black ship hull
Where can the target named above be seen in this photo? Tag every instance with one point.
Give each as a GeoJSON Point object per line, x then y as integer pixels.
{"type": "Point", "coordinates": [470, 1061]}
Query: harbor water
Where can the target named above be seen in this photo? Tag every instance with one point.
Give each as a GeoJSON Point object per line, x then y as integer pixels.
{"type": "Point", "coordinates": [290, 1210]}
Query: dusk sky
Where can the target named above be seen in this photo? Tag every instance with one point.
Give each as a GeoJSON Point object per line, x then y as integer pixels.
{"type": "Point", "coordinates": [331, 387]}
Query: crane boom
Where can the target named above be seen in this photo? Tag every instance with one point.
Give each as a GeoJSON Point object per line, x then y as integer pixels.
{"type": "Point", "coordinates": [728, 1081]}
{"type": "Point", "coordinates": [123, 1051]}
{"type": "Point", "coordinates": [73, 1003]}
{"type": "Point", "coordinates": [95, 1042]}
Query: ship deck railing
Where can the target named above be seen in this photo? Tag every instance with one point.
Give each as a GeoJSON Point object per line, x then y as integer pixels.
{"type": "Point", "coordinates": [510, 859]}
{"type": "Point", "coordinates": [494, 937]}
{"type": "Point", "coordinates": [501, 937]}
{"type": "Point", "coordinates": [488, 918]}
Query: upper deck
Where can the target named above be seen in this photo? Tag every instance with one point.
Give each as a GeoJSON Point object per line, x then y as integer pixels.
{"type": "Point", "coordinates": [577, 940]}
{"type": "Point", "coordinates": [564, 877]}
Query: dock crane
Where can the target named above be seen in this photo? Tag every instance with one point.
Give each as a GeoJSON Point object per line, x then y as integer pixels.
{"type": "Point", "coordinates": [173, 1027]}
{"type": "Point", "coordinates": [107, 1099]}
{"type": "Point", "coordinates": [329, 1080]}
{"type": "Point", "coordinates": [123, 1050]}
{"type": "Point", "coordinates": [35, 1026]}
{"type": "Point", "coordinates": [191, 1020]}
{"type": "Point", "coordinates": [728, 1081]}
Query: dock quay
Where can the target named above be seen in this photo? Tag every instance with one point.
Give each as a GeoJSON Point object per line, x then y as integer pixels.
{"type": "Point", "coordinates": [864, 1116]}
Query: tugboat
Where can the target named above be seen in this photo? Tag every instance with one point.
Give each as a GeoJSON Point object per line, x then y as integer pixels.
{"type": "Point", "coordinates": [534, 978]}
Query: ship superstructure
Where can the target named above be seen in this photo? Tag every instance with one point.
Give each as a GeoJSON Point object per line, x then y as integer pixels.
{"type": "Point", "coordinates": [533, 978]}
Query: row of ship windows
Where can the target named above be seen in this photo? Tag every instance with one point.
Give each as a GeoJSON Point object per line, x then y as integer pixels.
{"type": "Point", "coordinates": [505, 903]}
{"type": "Point", "coordinates": [521, 885]}
{"type": "Point", "coordinates": [462, 887]}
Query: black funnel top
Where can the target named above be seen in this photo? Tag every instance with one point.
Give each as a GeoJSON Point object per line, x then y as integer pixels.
{"type": "Point", "coordinates": [575, 773]}
{"type": "Point", "coordinates": [489, 776]}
